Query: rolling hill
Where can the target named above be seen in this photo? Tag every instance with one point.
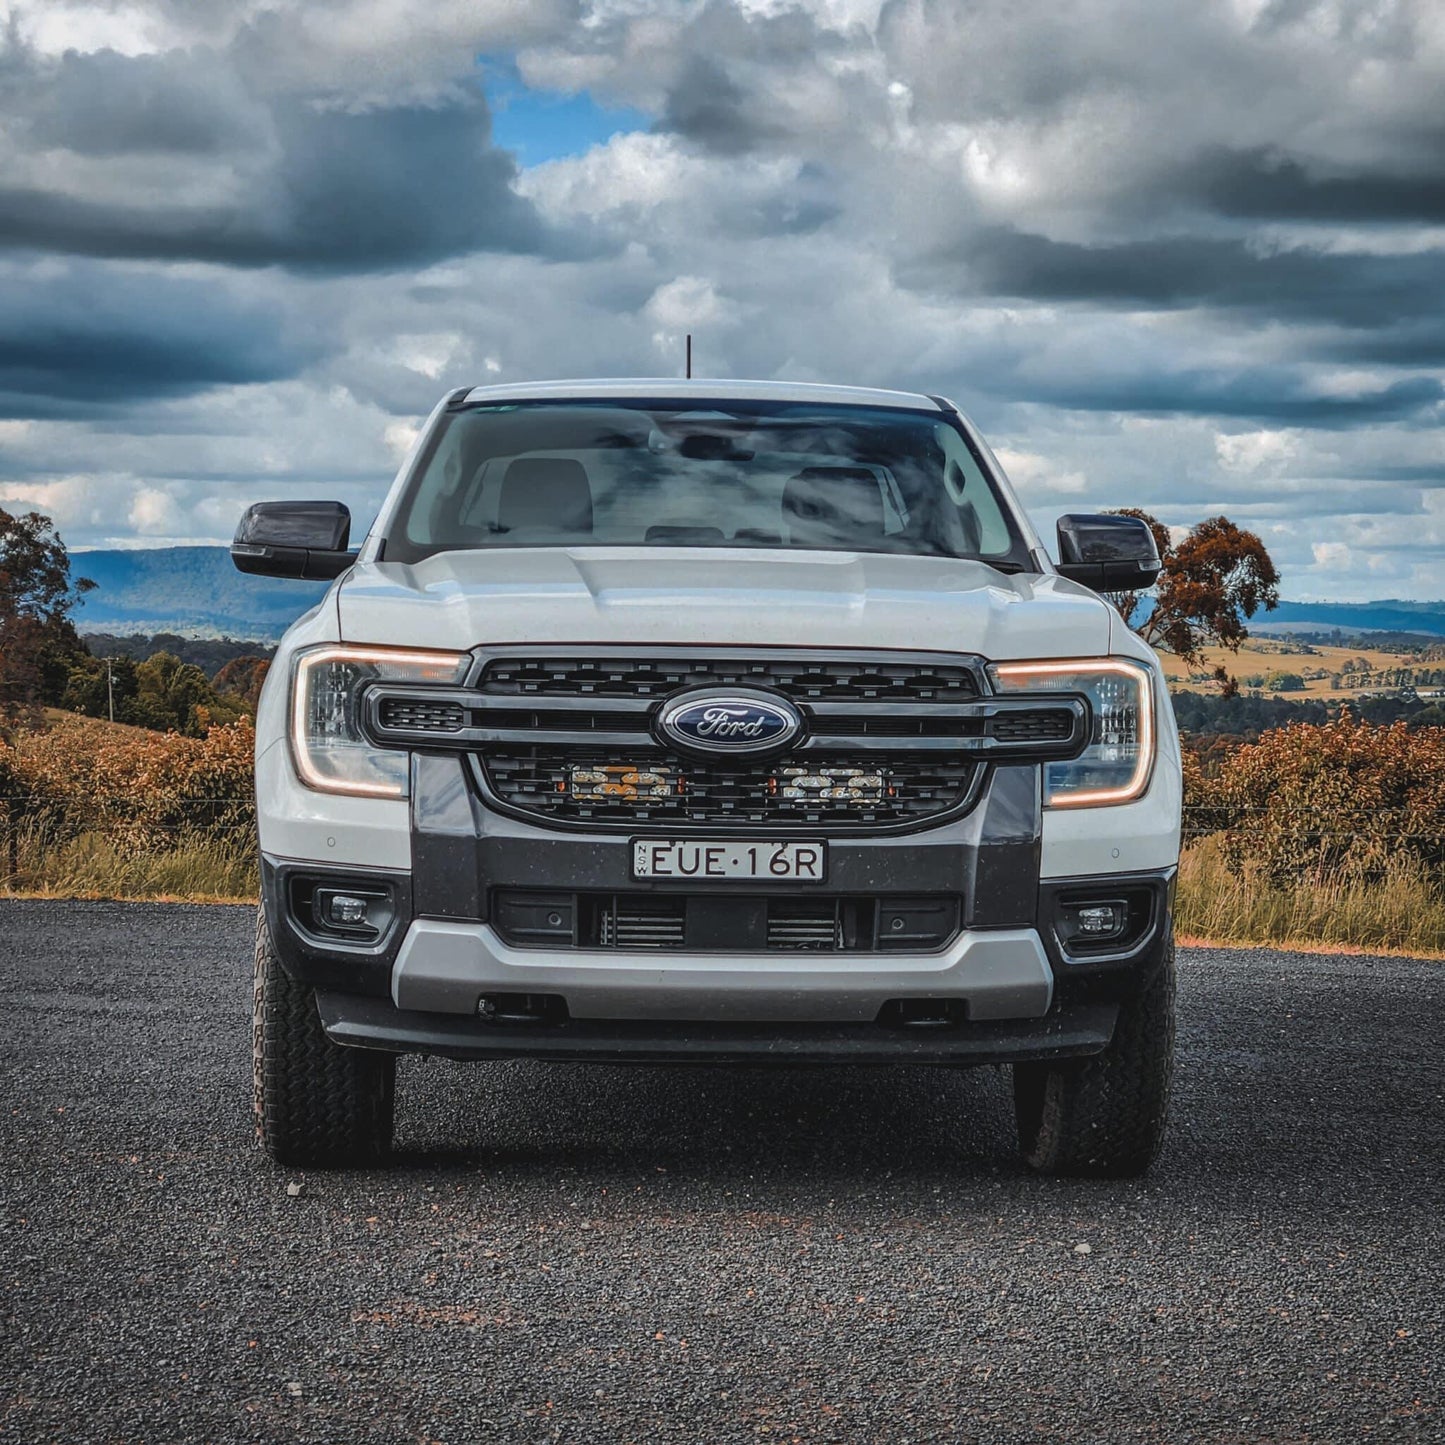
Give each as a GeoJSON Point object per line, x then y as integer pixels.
{"type": "Point", "coordinates": [196, 591]}
{"type": "Point", "coordinates": [190, 590]}
{"type": "Point", "coordinates": [1391, 615]}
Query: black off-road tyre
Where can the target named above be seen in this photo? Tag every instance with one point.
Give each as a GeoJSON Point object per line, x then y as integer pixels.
{"type": "Point", "coordinates": [316, 1103]}
{"type": "Point", "coordinates": [1103, 1117]}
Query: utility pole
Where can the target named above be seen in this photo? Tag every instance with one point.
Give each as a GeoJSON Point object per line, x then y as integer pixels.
{"type": "Point", "coordinates": [110, 687]}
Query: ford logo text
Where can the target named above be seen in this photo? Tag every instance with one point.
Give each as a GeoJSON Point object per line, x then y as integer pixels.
{"type": "Point", "coordinates": [714, 722]}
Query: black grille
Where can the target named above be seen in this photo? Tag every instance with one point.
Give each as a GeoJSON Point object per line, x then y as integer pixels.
{"type": "Point", "coordinates": [416, 715]}
{"type": "Point", "coordinates": [725, 922]}
{"type": "Point", "coordinates": [806, 924]}
{"type": "Point", "coordinates": [633, 922]}
{"type": "Point", "coordinates": [579, 785]}
{"type": "Point", "coordinates": [1045, 725]}
{"type": "Point", "coordinates": [803, 680]}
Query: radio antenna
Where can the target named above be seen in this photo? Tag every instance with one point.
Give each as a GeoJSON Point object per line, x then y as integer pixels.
{"type": "Point", "coordinates": [689, 355]}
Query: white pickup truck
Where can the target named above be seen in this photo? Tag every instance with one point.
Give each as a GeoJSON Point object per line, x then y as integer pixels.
{"type": "Point", "coordinates": [709, 721]}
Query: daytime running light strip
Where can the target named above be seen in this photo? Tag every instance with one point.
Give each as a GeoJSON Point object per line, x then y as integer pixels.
{"type": "Point", "coordinates": [379, 655]}
{"type": "Point", "coordinates": [1100, 797]}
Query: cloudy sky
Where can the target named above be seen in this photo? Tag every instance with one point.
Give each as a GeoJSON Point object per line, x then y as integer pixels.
{"type": "Point", "coordinates": [1183, 254]}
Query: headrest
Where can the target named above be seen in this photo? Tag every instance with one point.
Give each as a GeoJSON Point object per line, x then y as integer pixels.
{"type": "Point", "coordinates": [545, 493]}
{"type": "Point", "coordinates": [833, 504]}
{"type": "Point", "coordinates": [685, 536]}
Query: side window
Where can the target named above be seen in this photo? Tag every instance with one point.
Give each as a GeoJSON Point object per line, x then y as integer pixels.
{"type": "Point", "coordinates": [968, 490]}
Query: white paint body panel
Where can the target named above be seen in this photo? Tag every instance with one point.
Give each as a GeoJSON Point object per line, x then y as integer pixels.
{"type": "Point", "coordinates": [296, 822]}
{"type": "Point", "coordinates": [718, 596]}
{"type": "Point", "coordinates": [699, 388]}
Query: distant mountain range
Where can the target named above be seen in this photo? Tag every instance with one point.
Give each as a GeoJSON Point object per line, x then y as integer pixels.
{"type": "Point", "coordinates": [1391, 615]}
{"type": "Point", "coordinates": [197, 592]}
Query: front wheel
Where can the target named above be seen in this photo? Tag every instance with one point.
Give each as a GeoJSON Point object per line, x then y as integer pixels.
{"type": "Point", "coordinates": [315, 1102]}
{"type": "Point", "coordinates": [1104, 1116]}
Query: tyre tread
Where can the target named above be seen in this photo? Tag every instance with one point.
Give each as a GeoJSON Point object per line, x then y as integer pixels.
{"type": "Point", "coordinates": [315, 1102]}
{"type": "Point", "coordinates": [1104, 1116]}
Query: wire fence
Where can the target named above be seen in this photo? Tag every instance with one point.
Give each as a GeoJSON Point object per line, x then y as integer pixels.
{"type": "Point", "coordinates": [33, 825]}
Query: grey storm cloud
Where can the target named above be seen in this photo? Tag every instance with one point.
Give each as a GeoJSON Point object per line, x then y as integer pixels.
{"type": "Point", "coordinates": [1167, 249]}
{"type": "Point", "coordinates": [749, 81]}
{"type": "Point", "coordinates": [1270, 395]}
{"type": "Point", "coordinates": [709, 106]}
{"type": "Point", "coordinates": [104, 104]}
{"type": "Point", "coordinates": [1407, 341]}
{"type": "Point", "coordinates": [1171, 272]}
{"type": "Point", "coordinates": [317, 184]}
{"type": "Point", "coordinates": [1265, 184]}
{"type": "Point", "coordinates": [91, 339]}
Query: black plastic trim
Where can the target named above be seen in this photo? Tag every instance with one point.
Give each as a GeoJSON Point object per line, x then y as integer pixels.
{"type": "Point", "coordinates": [1157, 884]}
{"type": "Point", "coordinates": [358, 966]}
{"type": "Point", "coordinates": [463, 847]}
{"type": "Point", "coordinates": [1072, 1032]}
{"type": "Point", "coordinates": [974, 740]}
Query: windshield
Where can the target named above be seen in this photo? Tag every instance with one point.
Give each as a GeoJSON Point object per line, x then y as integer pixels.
{"type": "Point", "coordinates": [703, 474]}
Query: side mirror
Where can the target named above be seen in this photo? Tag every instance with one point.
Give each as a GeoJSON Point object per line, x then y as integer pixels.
{"type": "Point", "coordinates": [294, 539]}
{"type": "Point", "coordinates": [1109, 554]}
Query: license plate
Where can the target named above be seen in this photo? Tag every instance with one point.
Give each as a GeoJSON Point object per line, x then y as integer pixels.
{"type": "Point", "coordinates": [705, 862]}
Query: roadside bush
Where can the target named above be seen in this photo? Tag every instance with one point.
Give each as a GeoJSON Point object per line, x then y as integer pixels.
{"type": "Point", "coordinates": [127, 792]}
{"type": "Point", "coordinates": [1345, 801]}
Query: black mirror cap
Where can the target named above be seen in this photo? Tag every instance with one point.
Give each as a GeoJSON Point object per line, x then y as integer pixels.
{"type": "Point", "coordinates": [1107, 553]}
{"type": "Point", "coordinates": [294, 539]}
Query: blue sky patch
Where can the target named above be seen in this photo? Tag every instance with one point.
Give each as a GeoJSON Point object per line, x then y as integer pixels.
{"type": "Point", "coordinates": [542, 125]}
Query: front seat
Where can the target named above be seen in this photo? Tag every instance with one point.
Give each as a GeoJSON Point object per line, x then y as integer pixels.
{"type": "Point", "coordinates": [548, 495]}
{"type": "Point", "coordinates": [833, 507]}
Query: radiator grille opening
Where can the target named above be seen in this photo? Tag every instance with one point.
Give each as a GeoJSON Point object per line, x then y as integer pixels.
{"type": "Point", "coordinates": [875, 754]}
{"type": "Point", "coordinates": [640, 921]}
{"type": "Point", "coordinates": [724, 922]}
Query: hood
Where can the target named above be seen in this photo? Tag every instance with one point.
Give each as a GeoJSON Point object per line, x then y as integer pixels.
{"type": "Point", "coordinates": [744, 598]}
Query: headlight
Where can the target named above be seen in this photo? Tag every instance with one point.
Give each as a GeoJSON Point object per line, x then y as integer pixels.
{"type": "Point", "coordinates": [327, 745]}
{"type": "Point", "coordinates": [1115, 767]}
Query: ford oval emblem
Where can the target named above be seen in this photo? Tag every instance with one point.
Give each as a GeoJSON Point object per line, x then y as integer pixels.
{"type": "Point", "coordinates": [718, 722]}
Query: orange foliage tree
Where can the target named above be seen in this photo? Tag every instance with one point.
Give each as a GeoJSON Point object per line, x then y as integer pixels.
{"type": "Point", "coordinates": [1211, 583]}
{"type": "Point", "coordinates": [153, 790]}
{"type": "Point", "coordinates": [1334, 802]}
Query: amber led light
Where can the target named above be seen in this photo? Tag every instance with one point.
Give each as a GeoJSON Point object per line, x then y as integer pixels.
{"type": "Point", "coordinates": [395, 664]}
{"type": "Point", "coordinates": [1025, 676]}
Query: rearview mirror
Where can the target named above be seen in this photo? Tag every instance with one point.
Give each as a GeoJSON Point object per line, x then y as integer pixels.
{"type": "Point", "coordinates": [294, 539]}
{"type": "Point", "coordinates": [1109, 554]}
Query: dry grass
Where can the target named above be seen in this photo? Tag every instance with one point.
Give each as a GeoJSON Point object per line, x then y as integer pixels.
{"type": "Point", "coordinates": [99, 865]}
{"type": "Point", "coordinates": [1403, 912]}
{"type": "Point", "coordinates": [1271, 654]}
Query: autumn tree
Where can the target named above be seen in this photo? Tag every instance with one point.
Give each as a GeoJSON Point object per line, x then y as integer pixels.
{"type": "Point", "coordinates": [38, 641]}
{"type": "Point", "coordinates": [1211, 583]}
{"type": "Point", "coordinates": [162, 693]}
{"type": "Point", "coordinates": [242, 678]}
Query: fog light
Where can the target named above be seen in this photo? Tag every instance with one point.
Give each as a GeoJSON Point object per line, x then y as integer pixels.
{"type": "Point", "coordinates": [348, 912]}
{"type": "Point", "coordinates": [1088, 922]}
{"type": "Point", "coordinates": [358, 914]}
{"type": "Point", "coordinates": [1101, 918]}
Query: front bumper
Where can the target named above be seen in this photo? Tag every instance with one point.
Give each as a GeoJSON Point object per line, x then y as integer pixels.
{"type": "Point", "coordinates": [446, 976]}
{"type": "Point", "coordinates": [446, 967]}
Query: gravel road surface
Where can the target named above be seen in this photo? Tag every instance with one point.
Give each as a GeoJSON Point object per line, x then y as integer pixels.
{"type": "Point", "coordinates": [568, 1253]}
